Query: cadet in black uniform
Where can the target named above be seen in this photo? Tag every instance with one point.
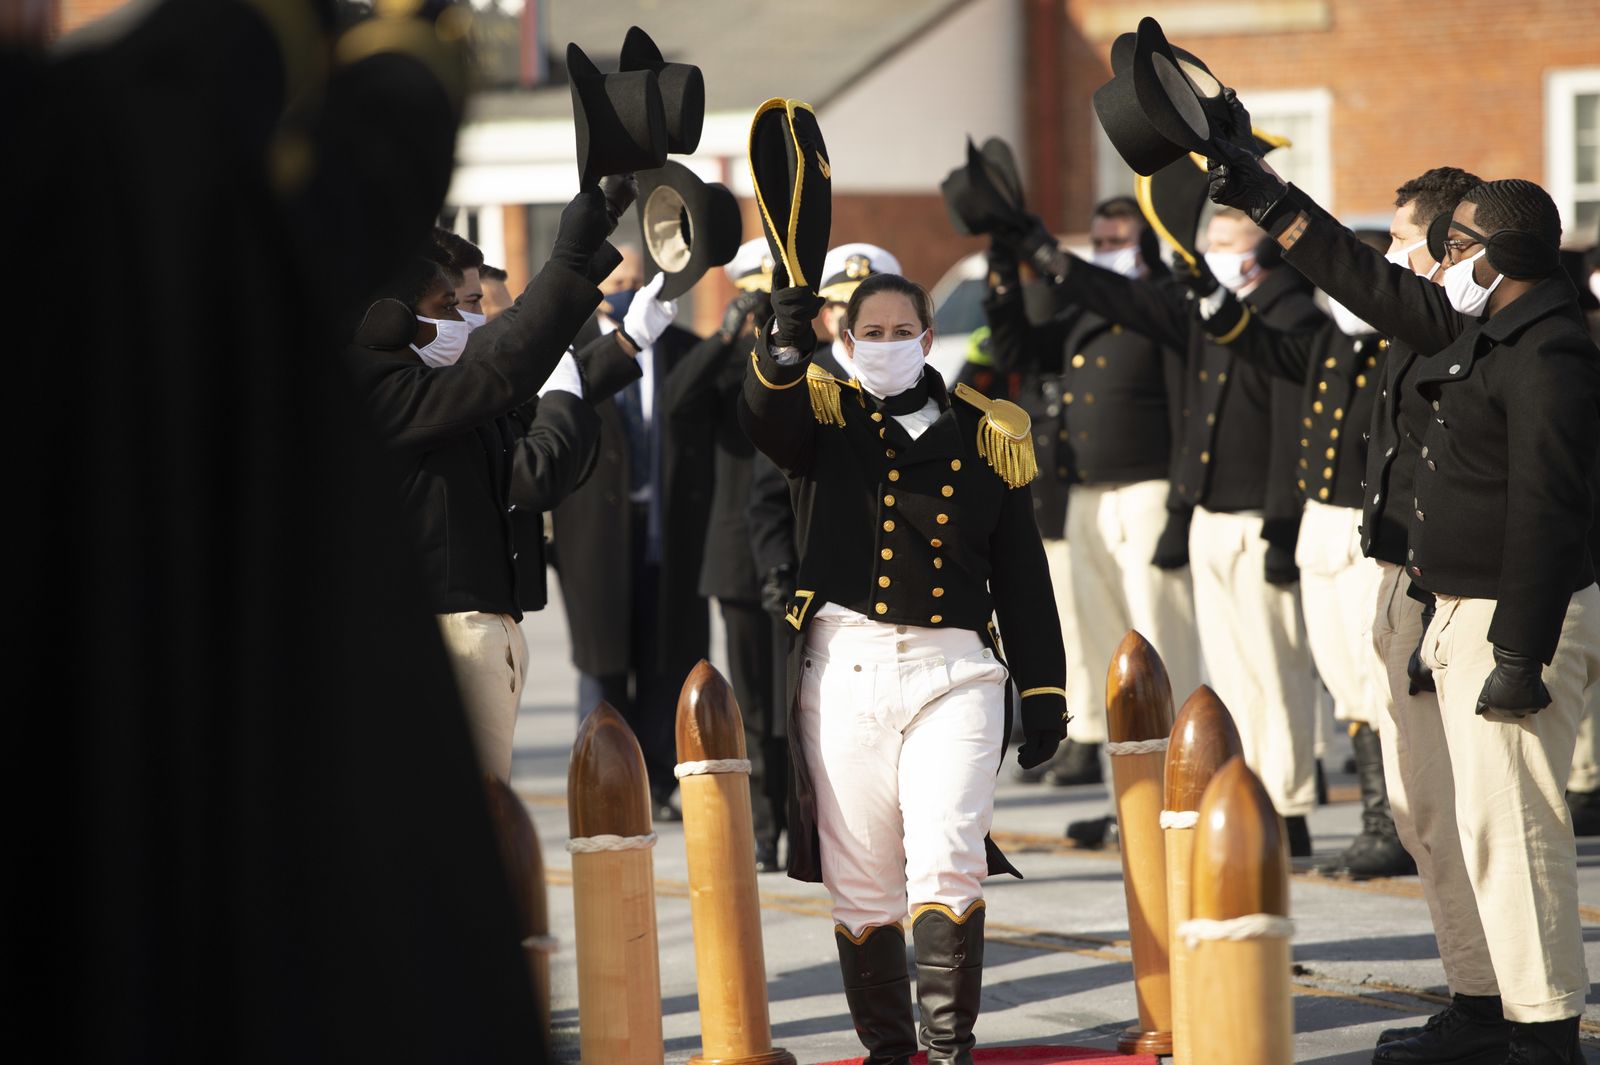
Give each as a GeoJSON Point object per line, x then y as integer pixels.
{"type": "Point", "coordinates": [915, 527]}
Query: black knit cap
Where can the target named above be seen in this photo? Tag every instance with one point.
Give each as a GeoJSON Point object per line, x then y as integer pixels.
{"type": "Point", "coordinates": [1521, 224]}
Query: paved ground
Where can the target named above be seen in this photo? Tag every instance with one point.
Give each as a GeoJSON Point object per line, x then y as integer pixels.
{"type": "Point", "coordinates": [1058, 964]}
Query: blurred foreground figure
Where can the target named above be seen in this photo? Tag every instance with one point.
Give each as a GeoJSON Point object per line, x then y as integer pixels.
{"type": "Point", "coordinates": [264, 838]}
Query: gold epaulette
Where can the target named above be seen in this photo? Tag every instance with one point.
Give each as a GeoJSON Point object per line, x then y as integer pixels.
{"type": "Point", "coordinates": [824, 388]}
{"type": "Point", "coordinates": [1005, 437]}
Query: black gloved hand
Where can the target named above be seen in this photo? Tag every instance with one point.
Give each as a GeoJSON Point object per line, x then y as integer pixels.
{"type": "Point", "coordinates": [1516, 686]}
{"type": "Point", "coordinates": [1196, 277]}
{"type": "Point", "coordinates": [1240, 178]}
{"type": "Point", "coordinates": [620, 191]}
{"type": "Point", "coordinates": [1421, 676]}
{"type": "Point", "coordinates": [793, 310]}
{"type": "Point", "coordinates": [1172, 547]}
{"type": "Point", "coordinates": [585, 225]}
{"type": "Point", "coordinates": [1280, 567]}
{"type": "Point", "coordinates": [1027, 239]}
{"type": "Point", "coordinates": [742, 309]}
{"type": "Point", "coordinates": [777, 588]}
{"type": "Point", "coordinates": [1002, 262]}
{"type": "Point", "coordinates": [1038, 748]}
{"type": "Point", "coordinates": [1237, 128]}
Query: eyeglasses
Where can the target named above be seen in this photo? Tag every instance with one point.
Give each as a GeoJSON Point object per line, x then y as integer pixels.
{"type": "Point", "coordinates": [1454, 248]}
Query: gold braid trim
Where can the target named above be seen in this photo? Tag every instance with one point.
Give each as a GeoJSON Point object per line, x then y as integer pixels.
{"type": "Point", "coordinates": [1238, 327]}
{"type": "Point", "coordinates": [1005, 437]}
{"type": "Point", "coordinates": [824, 388]}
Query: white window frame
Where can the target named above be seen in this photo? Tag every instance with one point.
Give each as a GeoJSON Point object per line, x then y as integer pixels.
{"type": "Point", "coordinates": [1561, 88]}
{"type": "Point", "coordinates": [1315, 103]}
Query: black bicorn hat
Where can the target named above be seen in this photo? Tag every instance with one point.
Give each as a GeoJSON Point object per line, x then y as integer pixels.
{"type": "Point", "coordinates": [619, 118]}
{"type": "Point", "coordinates": [1162, 102]}
{"type": "Point", "coordinates": [689, 225]}
{"type": "Point", "coordinates": [794, 189]}
{"type": "Point", "coordinates": [985, 192]}
{"type": "Point", "coordinates": [683, 90]}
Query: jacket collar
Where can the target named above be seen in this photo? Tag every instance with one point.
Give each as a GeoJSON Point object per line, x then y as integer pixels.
{"type": "Point", "coordinates": [1553, 295]}
{"type": "Point", "coordinates": [942, 439]}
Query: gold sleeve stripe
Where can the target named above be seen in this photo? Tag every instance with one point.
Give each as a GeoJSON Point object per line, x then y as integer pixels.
{"type": "Point", "coordinates": [1045, 691]}
{"type": "Point", "coordinates": [1233, 334]}
{"type": "Point", "coordinates": [755, 364]}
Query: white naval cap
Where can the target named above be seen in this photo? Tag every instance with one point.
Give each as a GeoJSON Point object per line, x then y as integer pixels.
{"type": "Point", "coordinates": [750, 269]}
{"type": "Point", "coordinates": [848, 265]}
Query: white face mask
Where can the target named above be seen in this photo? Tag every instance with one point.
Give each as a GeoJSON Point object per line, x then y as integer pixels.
{"type": "Point", "coordinates": [1466, 295]}
{"type": "Point", "coordinates": [1402, 257]}
{"type": "Point", "coordinates": [1124, 261]}
{"type": "Point", "coordinates": [449, 341]}
{"type": "Point", "coordinates": [888, 367]}
{"type": "Point", "coordinates": [1348, 323]}
{"type": "Point", "coordinates": [1229, 269]}
{"type": "Point", "coordinates": [1594, 284]}
{"type": "Point", "coordinates": [472, 318]}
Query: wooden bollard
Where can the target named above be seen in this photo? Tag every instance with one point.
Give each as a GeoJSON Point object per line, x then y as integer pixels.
{"type": "Point", "coordinates": [1203, 740]}
{"type": "Point", "coordinates": [614, 895]}
{"type": "Point", "coordinates": [524, 862]}
{"type": "Point", "coordinates": [714, 780]}
{"type": "Point", "coordinates": [1138, 721]}
{"type": "Point", "coordinates": [1239, 933]}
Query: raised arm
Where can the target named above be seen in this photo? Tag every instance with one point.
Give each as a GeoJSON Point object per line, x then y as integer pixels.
{"type": "Point", "coordinates": [775, 404]}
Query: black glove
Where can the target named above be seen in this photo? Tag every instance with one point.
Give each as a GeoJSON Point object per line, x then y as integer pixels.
{"type": "Point", "coordinates": [1002, 266]}
{"type": "Point", "coordinates": [1038, 747]}
{"type": "Point", "coordinates": [620, 191]}
{"type": "Point", "coordinates": [1237, 127]}
{"type": "Point", "coordinates": [741, 310]}
{"type": "Point", "coordinates": [792, 311]}
{"type": "Point", "coordinates": [1421, 676]}
{"type": "Point", "coordinates": [1243, 179]}
{"type": "Point", "coordinates": [777, 588]}
{"type": "Point", "coordinates": [1196, 277]}
{"type": "Point", "coordinates": [1027, 239]}
{"type": "Point", "coordinates": [585, 225]}
{"type": "Point", "coordinates": [1280, 567]}
{"type": "Point", "coordinates": [1516, 686]}
{"type": "Point", "coordinates": [1172, 549]}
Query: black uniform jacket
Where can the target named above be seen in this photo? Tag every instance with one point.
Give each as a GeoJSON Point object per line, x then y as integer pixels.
{"type": "Point", "coordinates": [593, 536]}
{"type": "Point", "coordinates": [1339, 375]}
{"type": "Point", "coordinates": [1238, 444]}
{"type": "Point", "coordinates": [1503, 491]}
{"type": "Point", "coordinates": [456, 444]}
{"type": "Point", "coordinates": [909, 532]}
{"type": "Point", "coordinates": [1097, 394]}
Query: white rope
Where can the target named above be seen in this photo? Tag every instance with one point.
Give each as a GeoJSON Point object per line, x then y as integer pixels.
{"type": "Point", "coordinates": [1137, 747]}
{"type": "Point", "coordinates": [542, 944]}
{"type": "Point", "coordinates": [711, 765]}
{"type": "Point", "coordinates": [600, 844]}
{"type": "Point", "coordinates": [1180, 818]}
{"type": "Point", "coordinates": [1236, 929]}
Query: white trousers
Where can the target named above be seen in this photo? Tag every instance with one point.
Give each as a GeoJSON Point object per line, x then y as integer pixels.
{"type": "Point", "coordinates": [1516, 830]}
{"type": "Point", "coordinates": [489, 656]}
{"type": "Point", "coordinates": [1254, 645]}
{"type": "Point", "coordinates": [1338, 585]}
{"type": "Point", "coordinates": [1422, 792]}
{"type": "Point", "coordinates": [1111, 535]}
{"type": "Point", "coordinates": [902, 728]}
{"type": "Point", "coordinates": [1085, 691]}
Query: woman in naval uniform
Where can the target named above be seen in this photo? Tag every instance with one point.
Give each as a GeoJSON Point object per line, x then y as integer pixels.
{"type": "Point", "coordinates": [914, 524]}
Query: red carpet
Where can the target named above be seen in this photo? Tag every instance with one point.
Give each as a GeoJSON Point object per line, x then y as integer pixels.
{"type": "Point", "coordinates": [1037, 1056]}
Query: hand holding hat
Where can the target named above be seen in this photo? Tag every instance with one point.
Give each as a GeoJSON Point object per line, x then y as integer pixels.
{"type": "Point", "coordinates": [649, 315]}
{"type": "Point", "coordinates": [1241, 178]}
{"type": "Point", "coordinates": [585, 225]}
{"type": "Point", "coordinates": [793, 310]}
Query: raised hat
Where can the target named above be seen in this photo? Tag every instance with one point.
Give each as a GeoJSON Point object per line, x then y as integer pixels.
{"type": "Point", "coordinates": [794, 189]}
{"type": "Point", "coordinates": [1174, 199]}
{"type": "Point", "coordinates": [848, 265]}
{"type": "Point", "coordinates": [619, 120]}
{"type": "Point", "coordinates": [689, 225]}
{"type": "Point", "coordinates": [683, 90]}
{"type": "Point", "coordinates": [984, 193]}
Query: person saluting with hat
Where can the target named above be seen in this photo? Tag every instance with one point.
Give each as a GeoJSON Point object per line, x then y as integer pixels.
{"type": "Point", "coordinates": [914, 526]}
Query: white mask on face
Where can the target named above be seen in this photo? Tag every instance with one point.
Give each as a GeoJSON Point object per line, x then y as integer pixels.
{"type": "Point", "coordinates": [1402, 257]}
{"type": "Point", "coordinates": [1124, 261]}
{"type": "Point", "coordinates": [1229, 269]}
{"type": "Point", "coordinates": [1348, 323]}
{"type": "Point", "coordinates": [1466, 295]}
{"type": "Point", "coordinates": [473, 319]}
{"type": "Point", "coordinates": [1594, 284]}
{"type": "Point", "coordinates": [449, 341]}
{"type": "Point", "coordinates": [888, 367]}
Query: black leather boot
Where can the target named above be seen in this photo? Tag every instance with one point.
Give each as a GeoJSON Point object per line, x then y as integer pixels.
{"type": "Point", "coordinates": [1376, 851]}
{"type": "Point", "coordinates": [1545, 1043]}
{"type": "Point", "coordinates": [877, 988]}
{"type": "Point", "coordinates": [1299, 834]}
{"type": "Point", "coordinates": [1469, 1031]}
{"type": "Point", "coordinates": [1585, 807]}
{"type": "Point", "coordinates": [1078, 763]}
{"type": "Point", "coordinates": [949, 980]}
{"type": "Point", "coordinates": [1093, 833]}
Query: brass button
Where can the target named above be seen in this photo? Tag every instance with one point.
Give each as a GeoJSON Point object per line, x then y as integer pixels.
{"type": "Point", "coordinates": [1088, 397]}
{"type": "Point", "coordinates": [947, 491]}
{"type": "Point", "coordinates": [1066, 397]}
{"type": "Point", "coordinates": [888, 453]}
{"type": "Point", "coordinates": [886, 554]}
{"type": "Point", "coordinates": [1304, 465]}
{"type": "Point", "coordinates": [1077, 361]}
{"type": "Point", "coordinates": [1307, 422]}
{"type": "Point", "coordinates": [1222, 378]}
{"type": "Point", "coordinates": [1302, 485]}
{"type": "Point", "coordinates": [1100, 361]}
{"type": "Point", "coordinates": [894, 475]}
{"type": "Point", "coordinates": [1361, 380]}
{"type": "Point", "coordinates": [1322, 493]}
{"type": "Point", "coordinates": [936, 542]}
{"type": "Point", "coordinates": [882, 608]}
{"type": "Point", "coordinates": [1338, 413]}
{"type": "Point", "coordinates": [1304, 442]}
{"type": "Point", "coordinates": [1205, 456]}
{"type": "Point", "coordinates": [883, 582]}
{"type": "Point", "coordinates": [888, 501]}
{"type": "Point", "coordinates": [882, 433]}
{"type": "Point", "coordinates": [1331, 362]}
{"type": "Point", "coordinates": [955, 464]}
{"type": "Point", "coordinates": [1333, 434]}
{"type": "Point", "coordinates": [1317, 406]}
{"type": "Point", "coordinates": [1211, 419]}
{"type": "Point", "coordinates": [877, 417]}
{"type": "Point", "coordinates": [1204, 376]}
{"type": "Point", "coordinates": [1322, 386]}
{"type": "Point", "coordinates": [938, 593]}
{"type": "Point", "coordinates": [942, 519]}
{"type": "Point", "coordinates": [1330, 453]}
{"type": "Point", "coordinates": [888, 526]}
{"type": "Point", "coordinates": [936, 618]}
{"type": "Point", "coordinates": [1327, 473]}
{"type": "Point", "coordinates": [1063, 435]}
{"type": "Point", "coordinates": [938, 563]}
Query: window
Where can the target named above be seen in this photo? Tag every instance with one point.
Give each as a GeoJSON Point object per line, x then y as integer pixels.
{"type": "Point", "coordinates": [1572, 151]}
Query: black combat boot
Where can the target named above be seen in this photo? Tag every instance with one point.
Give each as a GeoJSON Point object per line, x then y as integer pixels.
{"type": "Point", "coordinates": [949, 980]}
{"type": "Point", "coordinates": [1093, 833]}
{"type": "Point", "coordinates": [1078, 763]}
{"type": "Point", "coordinates": [877, 988]}
{"type": "Point", "coordinates": [1585, 807]}
{"type": "Point", "coordinates": [1377, 850]}
{"type": "Point", "coordinates": [1469, 1031]}
{"type": "Point", "coordinates": [1545, 1043]}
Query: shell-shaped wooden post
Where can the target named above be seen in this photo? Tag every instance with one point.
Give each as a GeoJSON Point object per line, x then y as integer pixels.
{"type": "Point", "coordinates": [1239, 965]}
{"type": "Point", "coordinates": [614, 894]}
{"type": "Point", "coordinates": [1138, 721]}
{"type": "Point", "coordinates": [524, 862]}
{"type": "Point", "coordinates": [730, 964]}
{"type": "Point", "coordinates": [1203, 740]}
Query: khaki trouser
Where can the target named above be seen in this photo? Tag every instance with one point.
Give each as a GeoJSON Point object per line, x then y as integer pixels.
{"type": "Point", "coordinates": [1085, 692]}
{"type": "Point", "coordinates": [1585, 775]}
{"type": "Point", "coordinates": [1254, 646]}
{"type": "Point", "coordinates": [1422, 792]}
{"type": "Point", "coordinates": [1338, 585]}
{"type": "Point", "coordinates": [1516, 830]}
{"type": "Point", "coordinates": [1111, 535]}
{"type": "Point", "coordinates": [489, 655]}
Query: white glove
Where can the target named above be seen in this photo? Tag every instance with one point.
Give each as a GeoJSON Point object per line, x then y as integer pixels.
{"type": "Point", "coordinates": [564, 378]}
{"type": "Point", "coordinates": [648, 317]}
